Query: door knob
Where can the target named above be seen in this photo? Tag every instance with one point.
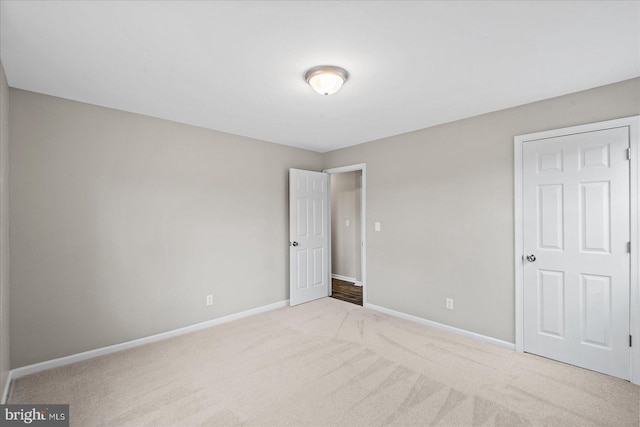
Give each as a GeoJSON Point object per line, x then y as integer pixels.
{"type": "Point", "coordinates": [295, 244]}
{"type": "Point", "coordinates": [531, 258]}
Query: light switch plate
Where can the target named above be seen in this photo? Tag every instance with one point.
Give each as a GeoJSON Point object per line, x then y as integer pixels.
{"type": "Point", "coordinates": [377, 226]}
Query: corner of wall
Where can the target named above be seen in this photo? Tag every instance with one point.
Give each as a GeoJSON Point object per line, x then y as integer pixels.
{"type": "Point", "coordinates": [4, 235]}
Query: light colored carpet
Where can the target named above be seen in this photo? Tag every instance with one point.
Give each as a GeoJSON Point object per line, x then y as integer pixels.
{"type": "Point", "coordinates": [329, 363]}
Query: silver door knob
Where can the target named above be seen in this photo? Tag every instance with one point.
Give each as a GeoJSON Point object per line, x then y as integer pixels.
{"type": "Point", "coordinates": [295, 244]}
{"type": "Point", "coordinates": [531, 258]}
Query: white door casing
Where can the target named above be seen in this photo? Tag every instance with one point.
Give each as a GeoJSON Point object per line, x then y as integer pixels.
{"type": "Point", "coordinates": [308, 236]}
{"type": "Point", "coordinates": [593, 331]}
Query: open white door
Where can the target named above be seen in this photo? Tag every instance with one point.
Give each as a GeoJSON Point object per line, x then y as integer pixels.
{"type": "Point", "coordinates": [308, 236]}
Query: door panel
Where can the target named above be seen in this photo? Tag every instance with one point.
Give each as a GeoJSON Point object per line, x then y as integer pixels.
{"type": "Point", "coordinates": [595, 206]}
{"type": "Point", "coordinates": [576, 224]}
{"type": "Point", "coordinates": [551, 302]}
{"type": "Point", "coordinates": [308, 228]}
{"type": "Point", "coordinates": [596, 309]}
{"type": "Point", "coordinates": [551, 223]}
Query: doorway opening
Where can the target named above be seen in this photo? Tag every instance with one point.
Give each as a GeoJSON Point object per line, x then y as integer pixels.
{"type": "Point", "coordinates": [347, 219]}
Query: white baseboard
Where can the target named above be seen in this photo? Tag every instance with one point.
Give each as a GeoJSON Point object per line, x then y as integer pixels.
{"type": "Point", "coordinates": [66, 360]}
{"type": "Point", "coordinates": [490, 340]}
{"type": "Point", "coordinates": [346, 279]}
{"type": "Point", "coordinates": [5, 392]}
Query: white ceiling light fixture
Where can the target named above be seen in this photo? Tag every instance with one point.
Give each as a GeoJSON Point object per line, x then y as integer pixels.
{"type": "Point", "coordinates": [326, 79]}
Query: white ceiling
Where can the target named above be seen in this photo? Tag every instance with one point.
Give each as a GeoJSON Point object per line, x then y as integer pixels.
{"type": "Point", "coordinates": [239, 67]}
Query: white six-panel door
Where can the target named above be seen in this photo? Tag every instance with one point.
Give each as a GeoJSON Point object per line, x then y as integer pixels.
{"type": "Point", "coordinates": [308, 236]}
{"type": "Point", "coordinates": [576, 233]}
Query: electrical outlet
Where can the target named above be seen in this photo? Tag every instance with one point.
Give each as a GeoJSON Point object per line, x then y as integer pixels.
{"type": "Point", "coordinates": [449, 303]}
{"type": "Point", "coordinates": [209, 299]}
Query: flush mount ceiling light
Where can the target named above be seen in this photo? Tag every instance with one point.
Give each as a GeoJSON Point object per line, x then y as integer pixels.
{"type": "Point", "coordinates": [326, 79]}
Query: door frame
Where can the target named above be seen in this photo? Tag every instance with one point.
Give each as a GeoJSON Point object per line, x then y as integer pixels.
{"type": "Point", "coordinates": [633, 123]}
{"type": "Point", "coordinates": [363, 221]}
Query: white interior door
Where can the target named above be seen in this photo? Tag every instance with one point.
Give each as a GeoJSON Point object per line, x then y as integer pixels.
{"type": "Point", "coordinates": [576, 234]}
{"type": "Point", "coordinates": [308, 236]}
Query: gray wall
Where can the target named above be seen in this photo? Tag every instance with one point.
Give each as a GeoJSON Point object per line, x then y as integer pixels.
{"type": "Point", "coordinates": [121, 224]}
{"type": "Point", "coordinates": [345, 241]}
{"type": "Point", "coordinates": [444, 197]}
{"type": "Point", "coordinates": [4, 230]}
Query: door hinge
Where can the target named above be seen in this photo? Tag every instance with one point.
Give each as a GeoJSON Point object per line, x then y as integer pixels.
{"type": "Point", "coordinates": [628, 153]}
{"type": "Point", "coordinates": [629, 247]}
{"type": "Point", "coordinates": [630, 341]}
